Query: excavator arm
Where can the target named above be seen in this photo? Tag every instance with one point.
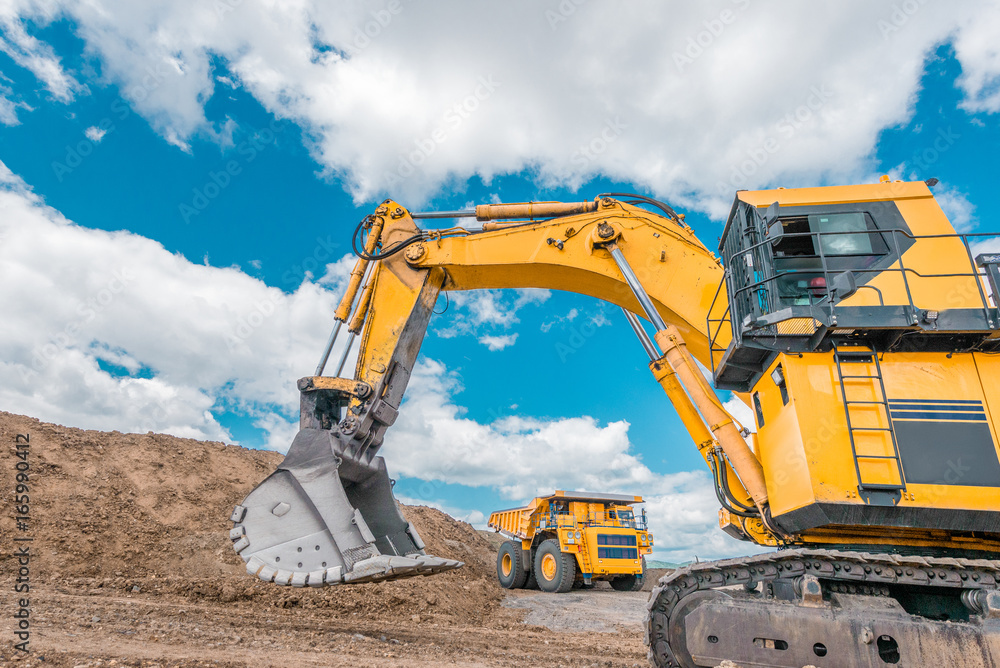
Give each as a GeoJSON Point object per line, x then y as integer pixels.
{"type": "Point", "coordinates": [327, 514]}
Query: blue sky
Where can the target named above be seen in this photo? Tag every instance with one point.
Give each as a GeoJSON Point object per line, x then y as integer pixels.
{"type": "Point", "coordinates": [249, 165]}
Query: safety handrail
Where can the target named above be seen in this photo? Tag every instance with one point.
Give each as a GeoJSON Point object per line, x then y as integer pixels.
{"type": "Point", "coordinates": [736, 293]}
{"type": "Point", "coordinates": [567, 520]}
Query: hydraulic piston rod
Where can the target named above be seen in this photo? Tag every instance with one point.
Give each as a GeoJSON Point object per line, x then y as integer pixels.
{"type": "Point", "coordinates": [464, 213]}
{"type": "Point", "coordinates": [647, 343]}
{"type": "Point", "coordinates": [640, 292]}
{"type": "Point", "coordinates": [329, 348]}
{"type": "Point", "coordinates": [701, 394]}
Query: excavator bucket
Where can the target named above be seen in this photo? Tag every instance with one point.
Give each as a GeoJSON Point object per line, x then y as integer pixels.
{"type": "Point", "coordinates": [326, 518]}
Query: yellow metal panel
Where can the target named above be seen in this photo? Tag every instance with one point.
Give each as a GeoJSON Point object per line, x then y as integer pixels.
{"type": "Point", "coordinates": [820, 467]}
{"type": "Point", "coordinates": [988, 368]}
{"type": "Point", "coordinates": [868, 192]}
{"type": "Point", "coordinates": [786, 469]}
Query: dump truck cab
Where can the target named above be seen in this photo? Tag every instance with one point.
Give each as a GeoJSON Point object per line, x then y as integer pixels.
{"type": "Point", "coordinates": [571, 539]}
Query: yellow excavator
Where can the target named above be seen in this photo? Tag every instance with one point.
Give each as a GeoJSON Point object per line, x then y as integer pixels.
{"type": "Point", "coordinates": [861, 330]}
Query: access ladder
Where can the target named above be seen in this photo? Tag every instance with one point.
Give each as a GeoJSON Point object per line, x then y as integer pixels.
{"type": "Point", "coordinates": [888, 488]}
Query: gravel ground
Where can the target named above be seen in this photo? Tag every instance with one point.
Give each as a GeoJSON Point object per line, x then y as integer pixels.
{"type": "Point", "coordinates": [595, 609]}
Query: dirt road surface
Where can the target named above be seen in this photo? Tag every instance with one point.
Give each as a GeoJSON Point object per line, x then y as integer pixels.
{"type": "Point", "coordinates": [77, 628]}
{"type": "Point", "coordinates": [599, 610]}
{"type": "Point", "coordinates": [130, 565]}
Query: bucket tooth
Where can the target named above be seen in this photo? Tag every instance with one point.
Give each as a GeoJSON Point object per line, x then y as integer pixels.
{"type": "Point", "coordinates": [315, 579]}
{"type": "Point", "coordinates": [326, 518]}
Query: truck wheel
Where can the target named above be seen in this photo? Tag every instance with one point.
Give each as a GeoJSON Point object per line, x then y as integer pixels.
{"type": "Point", "coordinates": [630, 582]}
{"type": "Point", "coordinates": [510, 570]}
{"type": "Point", "coordinates": [554, 570]}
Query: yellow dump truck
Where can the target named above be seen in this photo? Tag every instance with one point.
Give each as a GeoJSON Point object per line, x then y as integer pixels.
{"type": "Point", "coordinates": [570, 539]}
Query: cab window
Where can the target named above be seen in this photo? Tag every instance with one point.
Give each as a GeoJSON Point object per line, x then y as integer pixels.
{"type": "Point", "coordinates": [846, 241]}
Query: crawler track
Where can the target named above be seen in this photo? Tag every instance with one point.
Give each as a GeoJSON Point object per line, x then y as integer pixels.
{"type": "Point", "coordinates": [872, 575]}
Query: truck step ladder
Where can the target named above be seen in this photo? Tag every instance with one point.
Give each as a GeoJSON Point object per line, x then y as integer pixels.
{"type": "Point", "coordinates": [873, 492]}
{"type": "Point", "coordinates": [588, 568]}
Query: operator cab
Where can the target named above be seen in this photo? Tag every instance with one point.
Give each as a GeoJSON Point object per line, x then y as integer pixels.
{"type": "Point", "coordinates": [808, 269]}
{"type": "Point", "coordinates": [626, 518]}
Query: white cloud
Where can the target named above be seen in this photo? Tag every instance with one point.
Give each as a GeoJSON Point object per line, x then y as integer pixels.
{"type": "Point", "coordinates": [8, 107]}
{"type": "Point", "coordinates": [495, 343]}
{"type": "Point", "coordinates": [569, 317]}
{"type": "Point", "coordinates": [95, 134]}
{"type": "Point", "coordinates": [484, 307]}
{"type": "Point", "coordinates": [740, 411]}
{"type": "Point", "coordinates": [30, 53]}
{"type": "Point", "coordinates": [593, 319]}
{"type": "Point", "coordinates": [599, 319]}
{"type": "Point", "coordinates": [976, 46]}
{"type": "Point", "coordinates": [956, 205]}
{"type": "Point", "coordinates": [206, 339]}
{"type": "Point", "coordinates": [685, 100]}
{"type": "Point", "coordinates": [522, 457]}
{"type": "Point", "coordinates": [471, 312]}
{"type": "Point", "coordinates": [985, 245]}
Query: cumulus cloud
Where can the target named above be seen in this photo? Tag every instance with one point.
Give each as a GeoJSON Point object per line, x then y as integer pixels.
{"type": "Point", "coordinates": [485, 313]}
{"type": "Point", "coordinates": [956, 205]}
{"type": "Point", "coordinates": [95, 134]}
{"type": "Point", "coordinates": [495, 343]}
{"type": "Point", "coordinates": [985, 245]}
{"type": "Point", "coordinates": [132, 337]}
{"type": "Point", "coordinates": [390, 110]}
{"type": "Point", "coordinates": [976, 46]}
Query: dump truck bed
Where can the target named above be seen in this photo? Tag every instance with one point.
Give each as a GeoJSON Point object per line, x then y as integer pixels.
{"type": "Point", "coordinates": [516, 522]}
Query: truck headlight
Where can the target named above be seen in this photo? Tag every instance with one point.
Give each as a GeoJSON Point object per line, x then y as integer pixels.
{"type": "Point", "coordinates": [578, 535]}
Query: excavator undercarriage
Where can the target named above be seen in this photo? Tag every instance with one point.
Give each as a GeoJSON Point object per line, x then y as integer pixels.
{"type": "Point", "coordinates": [802, 607]}
{"type": "Point", "coordinates": [859, 328]}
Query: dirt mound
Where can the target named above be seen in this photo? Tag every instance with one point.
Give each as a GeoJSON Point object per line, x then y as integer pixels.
{"type": "Point", "coordinates": [147, 516]}
{"type": "Point", "coordinates": [494, 539]}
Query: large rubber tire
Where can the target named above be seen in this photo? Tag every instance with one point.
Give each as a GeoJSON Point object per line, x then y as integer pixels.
{"type": "Point", "coordinates": [554, 570]}
{"type": "Point", "coordinates": [630, 582]}
{"type": "Point", "coordinates": [510, 570]}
